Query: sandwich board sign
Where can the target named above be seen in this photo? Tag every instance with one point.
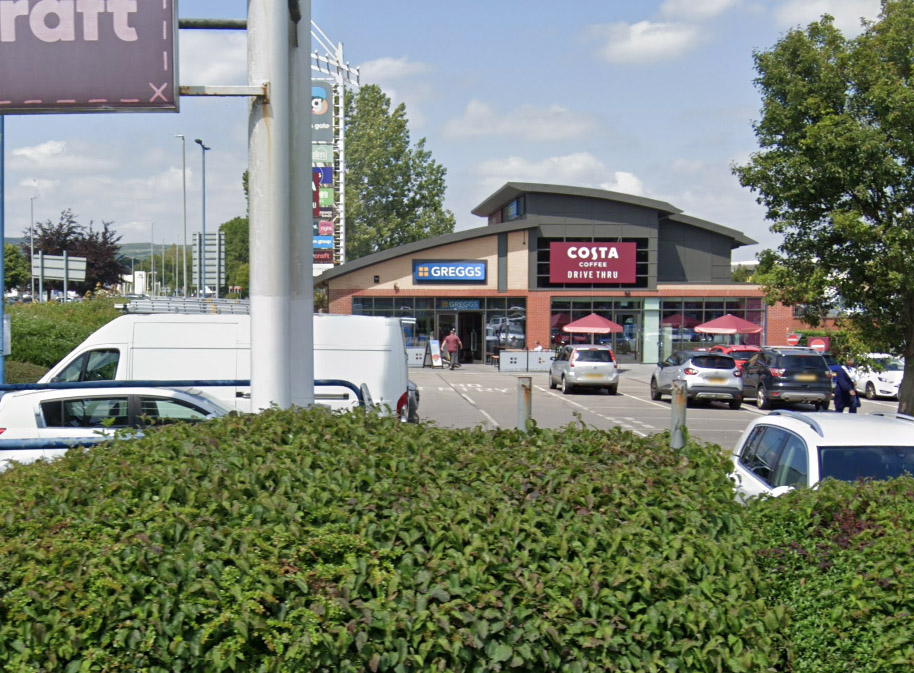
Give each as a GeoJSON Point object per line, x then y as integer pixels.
{"type": "Point", "coordinates": [433, 354]}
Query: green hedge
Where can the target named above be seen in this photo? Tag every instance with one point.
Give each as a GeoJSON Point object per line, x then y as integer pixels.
{"type": "Point", "coordinates": [43, 334]}
{"type": "Point", "coordinates": [839, 559]}
{"type": "Point", "coordinates": [304, 541]}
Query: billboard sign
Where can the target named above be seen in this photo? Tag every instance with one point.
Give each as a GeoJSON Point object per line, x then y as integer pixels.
{"type": "Point", "coordinates": [325, 173]}
{"type": "Point", "coordinates": [322, 228]}
{"type": "Point", "coordinates": [592, 263]}
{"type": "Point", "coordinates": [322, 154]}
{"type": "Point", "coordinates": [65, 56]}
{"type": "Point", "coordinates": [321, 112]}
{"type": "Point", "coordinates": [323, 242]}
{"type": "Point", "coordinates": [437, 271]}
{"type": "Point", "coordinates": [323, 257]}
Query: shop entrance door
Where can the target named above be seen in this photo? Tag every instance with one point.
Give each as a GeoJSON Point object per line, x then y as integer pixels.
{"type": "Point", "coordinates": [446, 322]}
{"type": "Point", "coordinates": [627, 345]}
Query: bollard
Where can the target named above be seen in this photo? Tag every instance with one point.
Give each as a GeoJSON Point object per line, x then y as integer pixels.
{"type": "Point", "coordinates": [524, 401]}
{"type": "Point", "coordinates": [678, 405]}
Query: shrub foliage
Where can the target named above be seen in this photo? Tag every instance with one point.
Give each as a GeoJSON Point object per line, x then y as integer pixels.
{"type": "Point", "coordinates": [306, 541]}
{"type": "Point", "coordinates": [44, 333]}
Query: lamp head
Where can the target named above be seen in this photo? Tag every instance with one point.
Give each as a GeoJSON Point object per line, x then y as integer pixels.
{"type": "Point", "coordinates": [200, 143]}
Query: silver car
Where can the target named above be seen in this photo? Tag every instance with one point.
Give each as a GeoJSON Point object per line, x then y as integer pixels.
{"type": "Point", "coordinates": [707, 376]}
{"type": "Point", "coordinates": [586, 367]}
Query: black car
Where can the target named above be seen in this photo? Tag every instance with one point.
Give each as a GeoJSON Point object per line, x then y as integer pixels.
{"type": "Point", "coordinates": [776, 376]}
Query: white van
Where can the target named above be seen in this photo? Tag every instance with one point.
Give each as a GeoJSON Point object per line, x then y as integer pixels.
{"type": "Point", "coordinates": [181, 347]}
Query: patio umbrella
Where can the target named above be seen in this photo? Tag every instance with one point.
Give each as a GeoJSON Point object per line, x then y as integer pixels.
{"type": "Point", "coordinates": [728, 324]}
{"type": "Point", "coordinates": [592, 324]}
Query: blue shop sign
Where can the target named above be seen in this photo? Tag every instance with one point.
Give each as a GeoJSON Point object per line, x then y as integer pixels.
{"type": "Point", "coordinates": [436, 272]}
{"type": "Point", "coordinates": [458, 305]}
{"type": "Point", "coordinates": [323, 242]}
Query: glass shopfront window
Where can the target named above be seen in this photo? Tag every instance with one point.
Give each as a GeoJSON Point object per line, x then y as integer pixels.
{"type": "Point", "coordinates": [680, 317]}
{"type": "Point", "coordinates": [626, 345]}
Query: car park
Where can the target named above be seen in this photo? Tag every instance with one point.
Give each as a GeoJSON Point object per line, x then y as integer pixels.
{"type": "Point", "coordinates": [707, 376]}
{"type": "Point", "coordinates": [880, 376]}
{"type": "Point", "coordinates": [787, 375]}
{"type": "Point", "coordinates": [784, 450]}
{"type": "Point", "coordinates": [32, 421]}
{"type": "Point", "coordinates": [581, 366]}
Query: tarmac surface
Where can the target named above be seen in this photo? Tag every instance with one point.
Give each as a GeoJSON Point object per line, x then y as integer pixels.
{"type": "Point", "coordinates": [480, 395]}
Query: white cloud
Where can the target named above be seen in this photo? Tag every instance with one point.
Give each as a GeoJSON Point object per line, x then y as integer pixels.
{"type": "Point", "coordinates": [847, 13]}
{"type": "Point", "coordinates": [645, 41]}
{"type": "Point", "coordinates": [58, 155]}
{"type": "Point", "coordinates": [387, 69]}
{"type": "Point", "coordinates": [580, 169]}
{"type": "Point", "coordinates": [213, 58]}
{"type": "Point", "coordinates": [526, 121]}
{"type": "Point", "coordinates": [695, 10]}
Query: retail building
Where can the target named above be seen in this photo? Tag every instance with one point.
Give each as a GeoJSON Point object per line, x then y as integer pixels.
{"type": "Point", "coordinates": [548, 255]}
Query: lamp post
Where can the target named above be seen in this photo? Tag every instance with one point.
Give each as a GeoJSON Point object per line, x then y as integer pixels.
{"type": "Point", "coordinates": [184, 182]}
{"type": "Point", "coordinates": [202, 265]}
{"type": "Point", "coordinates": [32, 242]}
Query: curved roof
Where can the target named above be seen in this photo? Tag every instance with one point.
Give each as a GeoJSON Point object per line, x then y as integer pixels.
{"type": "Point", "coordinates": [509, 192]}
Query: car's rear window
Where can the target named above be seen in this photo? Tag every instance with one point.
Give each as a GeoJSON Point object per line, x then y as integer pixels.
{"type": "Point", "coordinates": [849, 463]}
{"type": "Point", "coordinates": [713, 361]}
{"type": "Point", "coordinates": [593, 356]}
{"type": "Point", "coordinates": [803, 362]}
{"type": "Point", "coordinates": [742, 355]}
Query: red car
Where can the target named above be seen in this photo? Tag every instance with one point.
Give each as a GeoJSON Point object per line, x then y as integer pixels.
{"type": "Point", "coordinates": [740, 353]}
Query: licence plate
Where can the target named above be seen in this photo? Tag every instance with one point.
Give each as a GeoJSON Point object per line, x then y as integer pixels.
{"type": "Point", "coordinates": [593, 376]}
{"type": "Point", "coordinates": [806, 377]}
{"type": "Point", "coordinates": [716, 379]}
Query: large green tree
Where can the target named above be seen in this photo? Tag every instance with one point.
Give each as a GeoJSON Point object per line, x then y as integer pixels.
{"type": "Point", "coordinates": [394, 191]}
{"type": "Point", "coordinates": [15, 267]}
{"type": "Point", "coordinates": [835, 171]}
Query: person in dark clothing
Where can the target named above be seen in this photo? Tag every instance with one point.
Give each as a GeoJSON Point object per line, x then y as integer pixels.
{"type": "Point", "coordinates": [845, 390]}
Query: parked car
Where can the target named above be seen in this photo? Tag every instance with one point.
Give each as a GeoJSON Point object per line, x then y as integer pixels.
{"type": "Point", "coordinates": [739, 352]}
{"type": "Point", "coordinates": [880, 377]}
{"type": "Point", "coordinates": [784, 450]}
{"type": "Point", "coordinates": [585, 367]}
{"type": "Point", "coordinates": [707, 376]}
{"type": "Point", "coordinates": [787, 375]}
{"type": "Point", "coordinates": [85, 416]}
{"type": "Point", "coordinates": [412, 412]}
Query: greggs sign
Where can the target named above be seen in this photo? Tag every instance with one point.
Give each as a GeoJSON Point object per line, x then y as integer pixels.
{"type": "Point", "coordinates": [592, 263]}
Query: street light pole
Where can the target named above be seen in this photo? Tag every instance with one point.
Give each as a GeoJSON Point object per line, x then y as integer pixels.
{"type": "Point", "coordinates": [184, 181]}
{"type": "Point", "coordinates": [204, 148]}
{"type": "Point", "coordinates": [32, 242]}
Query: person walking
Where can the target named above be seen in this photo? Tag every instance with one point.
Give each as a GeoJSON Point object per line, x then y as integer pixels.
{"type": "Point", "coordinates": [846, 390]}
{"type": "Point", "coordinates": [453, 345]}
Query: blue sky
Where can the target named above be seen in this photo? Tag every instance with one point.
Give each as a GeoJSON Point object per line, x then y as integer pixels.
{"type": "Point", "coordinates": [647, 97]}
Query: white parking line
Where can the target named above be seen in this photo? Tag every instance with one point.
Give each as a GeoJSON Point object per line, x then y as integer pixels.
{"type": "Point", "coordinates": [472, 403]}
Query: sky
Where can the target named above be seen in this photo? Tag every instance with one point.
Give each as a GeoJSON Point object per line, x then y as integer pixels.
{"type": "Point", "coordinates": [653, 98]}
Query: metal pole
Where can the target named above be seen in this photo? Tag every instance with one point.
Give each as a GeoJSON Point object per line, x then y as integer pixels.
{"type": "Point", "coordinates": [3, 255]}
{"type": "Point", "coordinates": [203, 148]}
{"type": "Point", "coordinates": [524, 401]}
{"type": "Point", "coordinates": [678, 404]}
{"type": "Point", "coordinates": [152, 260]}
{"type": "Point", "coordinates": [184, 182]}
{"type": "Point", "coordinates": [40, 276]}
{"type": "Point", "coordinates": [32, 244]}
{"type": "Point", "coordinates": [270, 193]}
{"type": "Point", "coordinates": [66, 273]}
{"type": "Point", "coordinates": [301, 257]}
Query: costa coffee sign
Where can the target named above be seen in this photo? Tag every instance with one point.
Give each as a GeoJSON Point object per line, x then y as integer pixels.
{"type": "Point", "coordinates": [592, 263]}
{"type": "Point", "coordinates": [88, 55]}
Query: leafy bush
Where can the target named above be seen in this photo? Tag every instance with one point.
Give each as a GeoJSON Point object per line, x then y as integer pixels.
{"type": "Point", "coordinates": [305, 541]}
{"type": "Point", "coordinates": [839, 559]}
{"type": "Point", "coordinates": [42, 334]}
{"type": "Point", "coordinates": [23, 372]}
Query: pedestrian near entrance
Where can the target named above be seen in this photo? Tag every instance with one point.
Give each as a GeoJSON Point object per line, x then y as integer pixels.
{"type": "Point", "coordinates": [453, 345]}
{"type": "Point", "coordinates": [538, 346]}
{"type": "Point", "coordinates": [845, 390]}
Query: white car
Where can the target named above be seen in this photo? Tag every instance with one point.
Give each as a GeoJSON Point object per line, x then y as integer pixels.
{"type": "Point", "coordinates": [787, 449]}
{"type": "Point", "coordinates": [883, 379]}
{"type": "Point", "coordinates": [38, 424]}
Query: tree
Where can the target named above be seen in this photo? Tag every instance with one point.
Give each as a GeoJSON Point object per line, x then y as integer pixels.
{"type": "Point", "coordinates": [394, 192]}
{"type": "Point", "coordinates": [99, 247]}
{"type": "Point", "coordinates": [15, 267]}
{"type": "Point", "coordinates": [835, 171]}
{"type": "Point", "coordinates": [237, 252]}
